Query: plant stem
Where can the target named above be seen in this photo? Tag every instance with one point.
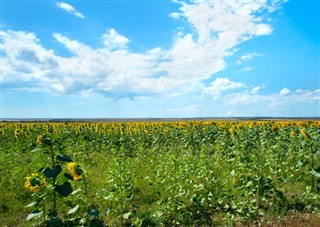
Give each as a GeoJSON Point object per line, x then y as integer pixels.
{"type": "Point", "coordinates": [88, 221]}
{"type": "Point", "coordinates": [121, 191]}
{"type": "Point", "coordinates": [44, 210]}
{"type": "Point", "coordinates": [53, 179]}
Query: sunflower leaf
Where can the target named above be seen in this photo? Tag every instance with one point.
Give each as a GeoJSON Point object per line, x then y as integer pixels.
{"type": "Point", "coordinates": [64, 190]}
{"type": "Point", "coordinates": [34, 214]}
{"type": "Point", "coordinates": [52, 173]}
{"type": "Point", "coordinates": [64, 158]}
{"type": "Point", "coordinates": [73, 210]}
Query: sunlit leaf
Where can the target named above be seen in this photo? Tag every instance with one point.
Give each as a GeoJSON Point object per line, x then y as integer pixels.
{"type": "Point", "coordinates": [126, 215]}
{"type": "Point", "coordinates": [314, 173]}
{"type": "Point", "coordinates": [32, 204]}
{"type": "Point", "coordinates": [34, 214]}
{"type": "Point", "coordinates": [73, 210]}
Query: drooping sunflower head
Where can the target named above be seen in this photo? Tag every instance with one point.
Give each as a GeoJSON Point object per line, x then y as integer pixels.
{"type": "Point", "coordinates": [305, 134]}
{"type": "Point", "coordinates": [35, 182]}
{"type": "Point", "coordinates": [75, 170]}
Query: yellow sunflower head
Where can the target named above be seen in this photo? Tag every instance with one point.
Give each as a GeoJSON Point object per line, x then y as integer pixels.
{"type": "Point", "coordinates": [75, 170]}
{"type": "Point", "coordinates": [305, 135]}
{"type": "Point", "coordinates": [274, 128]}
{"type": "Point", "coordinates": [17, 133]}
{"type": "Point", "coordinates": [39, 140]}
{"type": "Point", "coordinates": [35, 182]}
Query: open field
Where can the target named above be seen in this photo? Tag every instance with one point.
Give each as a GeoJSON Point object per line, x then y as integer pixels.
{"type": "Point", "coordinates": [156, 173]}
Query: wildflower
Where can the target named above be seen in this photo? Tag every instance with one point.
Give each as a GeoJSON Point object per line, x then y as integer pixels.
{"type": "Point", "coordinates": [35, 183]}
{"type": "Point", "coordinates": [75, 170]}
{"type": "Point", "coordinates": [304, 134]}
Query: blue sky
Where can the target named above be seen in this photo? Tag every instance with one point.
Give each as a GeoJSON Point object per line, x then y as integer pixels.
{"type": "Point", "coordinates": [87, 59]}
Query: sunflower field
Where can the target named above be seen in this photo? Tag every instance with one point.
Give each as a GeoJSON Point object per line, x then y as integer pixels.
{"type": "Point", "coordinates": [184, 173]}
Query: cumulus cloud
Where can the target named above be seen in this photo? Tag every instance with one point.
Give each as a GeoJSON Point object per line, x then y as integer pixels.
{"type": "Point", "coordinates": [70, 9]}
{"type": "Point", "coordinates": [284, 91]}
{"type": "Point", "coordinates": [115, 71]}
{"type": "Point", "coordinates": [276, 100]}
{"type": "Point", "coordinates": [256, 89]}
{"type": "Point", "coordinates": [112, 40]}
{"type": "Point", "coordinates": [219, 85]}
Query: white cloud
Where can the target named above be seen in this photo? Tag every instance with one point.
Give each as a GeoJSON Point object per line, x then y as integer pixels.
{"type": "Point", "coordinates": [284, 91]}
{"type": "Point", "coordinates": [69, 8]}
{"type": "Point", "coordinates": [112, 40]}
{"type": "Point", "coordinates": [246, 69]}
{"type": "Point", "coordinates": [116, 71]}
{"type": "Point", "coordinates": [275, 100]}
{"type": "Point", "coordinates": [247, 57]}
{"type": "Point", "coordinates": [229, 21]}
{"type": "Point", "coordinates": [256, 89]}
{"type": "Point", "coordinates": [219, 85]}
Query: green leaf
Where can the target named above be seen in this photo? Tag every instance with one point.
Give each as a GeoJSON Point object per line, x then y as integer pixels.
{"type": "Point", "coordinates": [63, 190]}
{"type": "Point", "coordinates": [76, 191]}
{"type": "Point", "coordinates": [129, 197]}
{"type": "Point", "coordinates": [64, 158]}
{"type": "Point", "coordinates": [32, 204]}
{"type": "Point", "coordinates": [93, 213]}
{"type": "Point", "coordinates": [127, 215]}
{"type": "Point", "coordinates": [34, 214]}
{"type": "Point", "coordinates": [36, 150]}
{"type": "Point", "coordinates": [314, 173]}
{"type": "Point", "coordinates": [52, 173]}
{"type": "Point", "coordinates": [54, 222]}
{"type": "Point", "coordinates": [194, 199]}
{"type": "Point", "coordinates": [46, 140]}
{"type": "Point", "coordinates": [52, 213]}
{"type": "Point", "coordinates": [68, 176]}
{"type": "Point", "coordinates": [73, 210]}
{"type": "Point", "coordinates": [110, 209]}
{"type": "Point", "coordinates": [281, 195]}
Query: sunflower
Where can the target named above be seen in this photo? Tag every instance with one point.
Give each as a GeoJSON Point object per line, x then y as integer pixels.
{"type": "Point", "coordinates": [232, 133]}
{"type": "Point", "coordinates": [35, 183]}
{"type": "Point", "coordinates": [304, 134]}
{"type": "Point", "coordinates": [17, 133]}
{"type": "Point", "coordinates": [39, 141]}
{"type": "Point", "coordinates": [75, 170]}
